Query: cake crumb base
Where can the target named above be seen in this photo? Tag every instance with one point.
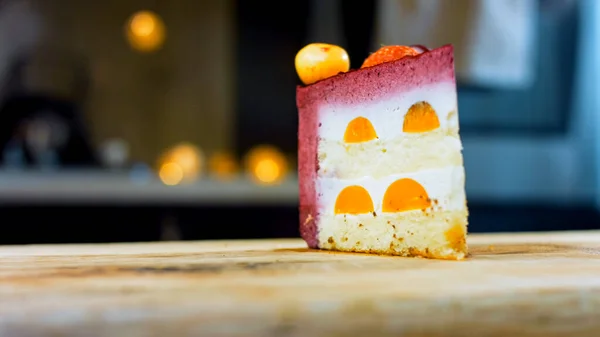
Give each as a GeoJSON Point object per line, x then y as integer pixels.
{"type": "Point", "coordinates": [437, 235]}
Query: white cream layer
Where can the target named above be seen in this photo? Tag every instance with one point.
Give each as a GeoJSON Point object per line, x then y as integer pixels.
{"type": "Point", "coordinates": [387, 115]}
{"type": "Point", "coordinates": [446, 185]}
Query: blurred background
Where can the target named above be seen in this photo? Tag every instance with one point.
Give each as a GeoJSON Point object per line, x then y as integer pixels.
{"type": "Point", "coordinates": [138, 120]}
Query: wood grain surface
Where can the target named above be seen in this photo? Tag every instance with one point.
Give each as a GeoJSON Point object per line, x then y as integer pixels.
{"type": "Point", "coordinates": [544, 284]}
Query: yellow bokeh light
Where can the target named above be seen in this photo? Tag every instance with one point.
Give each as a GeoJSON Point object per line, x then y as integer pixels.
{"type": "Point", "coordinates": [188, 158]}
{"type": "Point", "coordinates": [266, 165]}
{"type": "Point", "coordinates": [142, 24]}
{"type": "Point", "coordinates": [145, 31]}
{"type": "Point", "coordinates": [170, 174]}
{"type": "Point", "coordinates": [223, 165]}
{"type": "Point", "coordinates": [267, 170]}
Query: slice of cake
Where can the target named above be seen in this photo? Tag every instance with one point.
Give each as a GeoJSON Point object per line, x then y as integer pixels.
{"type": "Point", "coordinates": [380, 162]}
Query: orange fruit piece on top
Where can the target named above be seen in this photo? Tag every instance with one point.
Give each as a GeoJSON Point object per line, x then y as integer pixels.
{"type": "Point", "coordinates": [387, 54]}
{"type": "Point", "coordinates": [318, 61]}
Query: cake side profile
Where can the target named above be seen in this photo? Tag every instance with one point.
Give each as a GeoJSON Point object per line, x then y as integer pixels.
{"type": "Point", "coordinates": [380, 159]}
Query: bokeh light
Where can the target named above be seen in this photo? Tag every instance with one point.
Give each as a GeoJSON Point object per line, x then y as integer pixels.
{"type": "Point", "coordinates": [170, 174]}
{"type": "Point", "coordinates": [182, 163]}
{"type": "Point", "coordinates": [145, 31]}
{"type": "Point", "coordinates": [223, 166]}
{"type": "Point", "coordinates": [266, 165]}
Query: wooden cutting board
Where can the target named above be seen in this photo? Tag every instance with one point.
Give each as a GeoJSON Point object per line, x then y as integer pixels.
{"type": "Point", "coordinates": [513, 285]}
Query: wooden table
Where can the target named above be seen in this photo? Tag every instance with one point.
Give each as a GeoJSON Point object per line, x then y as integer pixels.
{"type": "Point", "coordinates": [512, 285]}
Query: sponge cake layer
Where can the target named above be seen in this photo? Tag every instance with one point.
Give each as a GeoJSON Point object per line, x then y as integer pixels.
{"type": "Point", "coordinates": [408, 153]}
{"type": "Point", "coordinates": [439, 234]}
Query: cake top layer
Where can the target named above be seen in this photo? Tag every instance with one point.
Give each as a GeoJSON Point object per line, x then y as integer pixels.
{"type": "Point", "coordinates": [373, 83]}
